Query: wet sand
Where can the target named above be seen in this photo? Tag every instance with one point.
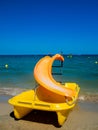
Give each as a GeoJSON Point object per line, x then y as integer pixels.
{"type": "Point", "coordinates": [82, 117]}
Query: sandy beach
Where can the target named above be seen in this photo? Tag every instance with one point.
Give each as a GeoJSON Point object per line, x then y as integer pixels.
{"type": "Point", "coordinates": [82, 117]}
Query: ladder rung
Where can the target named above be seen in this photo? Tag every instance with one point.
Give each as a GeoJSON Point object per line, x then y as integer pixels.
{"type": "Point", "coordinates": [57, 73]}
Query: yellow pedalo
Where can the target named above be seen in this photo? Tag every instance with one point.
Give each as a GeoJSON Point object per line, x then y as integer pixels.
{"type": "Point", "coordinates": [49, 95]}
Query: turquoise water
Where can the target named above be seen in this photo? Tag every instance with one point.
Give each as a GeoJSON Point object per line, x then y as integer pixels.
{"type": "Point", "coordinates": [82, 69]}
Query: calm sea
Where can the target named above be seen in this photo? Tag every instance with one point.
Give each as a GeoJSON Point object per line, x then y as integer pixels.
{"type": "Point", "coordinates": [18, 75]}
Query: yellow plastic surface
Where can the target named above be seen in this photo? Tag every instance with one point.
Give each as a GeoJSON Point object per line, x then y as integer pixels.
{"type": "Point", "coordinates": [41, 99]}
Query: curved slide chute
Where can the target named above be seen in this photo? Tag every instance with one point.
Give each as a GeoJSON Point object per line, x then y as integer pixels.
{"type": "Point", "coordinates": [43, 76]}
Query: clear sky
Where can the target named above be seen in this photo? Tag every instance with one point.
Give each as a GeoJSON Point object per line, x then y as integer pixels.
{"type": "Point", "coordinates": [48, 26]}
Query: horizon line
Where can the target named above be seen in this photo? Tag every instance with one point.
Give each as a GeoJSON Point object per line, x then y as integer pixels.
{"type": "Point", "coordinates": [44, 54]}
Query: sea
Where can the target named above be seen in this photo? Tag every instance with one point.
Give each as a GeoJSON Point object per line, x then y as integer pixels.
{"type": "Point", "coordinates": [16, 74]}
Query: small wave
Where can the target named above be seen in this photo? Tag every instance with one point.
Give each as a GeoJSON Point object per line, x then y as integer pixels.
{"type": "Point", "coordinates": [11, 91]}
{"type": "Point", "coordinates": [14, 91]}
{"type": "Point", "coordinates": [82, 98]}
{"type": "Point", "coordinates": [89, 97]}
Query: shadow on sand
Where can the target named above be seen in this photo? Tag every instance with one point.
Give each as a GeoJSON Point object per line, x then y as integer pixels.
{"type": "Point", "coordinates": [45, 117]}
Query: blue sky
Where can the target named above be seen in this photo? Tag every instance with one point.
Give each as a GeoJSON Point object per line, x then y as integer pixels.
{"type": "Point", "coordinates": [48, 26]}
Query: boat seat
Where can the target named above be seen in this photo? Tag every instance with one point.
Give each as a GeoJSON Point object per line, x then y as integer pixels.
{"type": "Point", "coordinates": [45, 95]}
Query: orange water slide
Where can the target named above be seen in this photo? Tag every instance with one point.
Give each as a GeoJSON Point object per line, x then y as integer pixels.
{"type": "Point", "coordinates": [43, 76]}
